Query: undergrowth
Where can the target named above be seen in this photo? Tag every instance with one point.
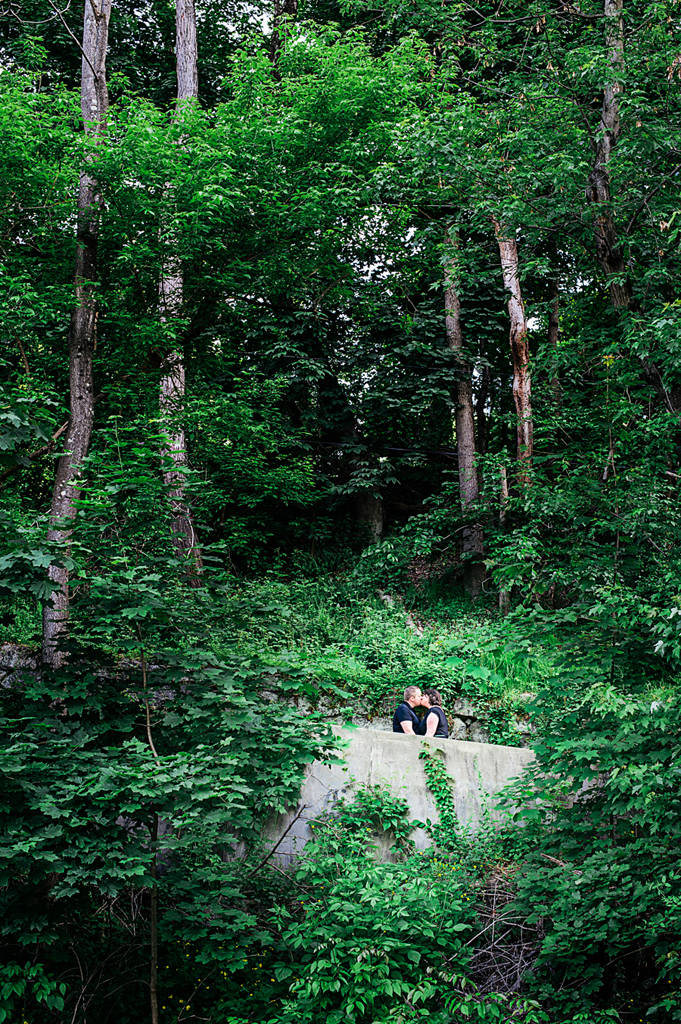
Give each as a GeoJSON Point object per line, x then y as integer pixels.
{"type": "Point", "coordinates": [339, 637]}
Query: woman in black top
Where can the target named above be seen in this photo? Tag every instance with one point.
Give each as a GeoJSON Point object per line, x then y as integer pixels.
{"type": "Point", "coordinates": [434, 722]}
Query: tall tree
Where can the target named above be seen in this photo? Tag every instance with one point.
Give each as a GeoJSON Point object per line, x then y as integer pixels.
{"type": "Point", "coordinates": [171, 297]}
{"type": "Point", "coordinates": [520, 350]}
{"type": "Point", "coordinates": [609, 249]}
{"type": "Point", "coordinates": [474, 569]}
{"type": "Point", "coordinates": [81, 336]}
{"type": "Point", "coordinates": [608, 246]}
{"type": "Point", "coordinates": [186, 51]}
{"type": "Point", "coordinates": [369, 513]}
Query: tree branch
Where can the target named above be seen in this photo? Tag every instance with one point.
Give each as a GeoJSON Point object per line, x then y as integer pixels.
{"type": "Point", "coordinates": [278, 843]}
{"type": "Point", "coordinates": [85, 56]}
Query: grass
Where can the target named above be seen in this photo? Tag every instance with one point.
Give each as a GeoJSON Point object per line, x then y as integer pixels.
{"type": "Point", "coordinates": [340, 637]}
{"type": "Point", "coordinates": [344, 638]}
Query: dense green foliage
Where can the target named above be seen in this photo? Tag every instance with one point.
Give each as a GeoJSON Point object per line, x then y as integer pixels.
{"type": "Point", "coordinates": [307, 198]}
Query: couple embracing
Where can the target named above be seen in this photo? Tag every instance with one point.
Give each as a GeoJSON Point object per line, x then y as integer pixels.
{"type": "Point", "coordinates": [433, 723]}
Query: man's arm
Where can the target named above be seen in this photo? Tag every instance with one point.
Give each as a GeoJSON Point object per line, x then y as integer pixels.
{"type": "Point", "coordinates": [408, 728]}
{"type": "Point", "coordinates": [432, 722]}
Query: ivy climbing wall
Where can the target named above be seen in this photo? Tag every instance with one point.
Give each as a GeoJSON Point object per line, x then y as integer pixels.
{"type": "Point", "coordinates": [478, 771]}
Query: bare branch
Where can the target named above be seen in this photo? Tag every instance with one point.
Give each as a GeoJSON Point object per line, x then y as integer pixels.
{"type": "Point", "coordinates": [85, 56]}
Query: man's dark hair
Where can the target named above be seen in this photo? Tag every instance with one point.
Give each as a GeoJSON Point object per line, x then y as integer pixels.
{"type": "Point", "coordinates": [434, 697]}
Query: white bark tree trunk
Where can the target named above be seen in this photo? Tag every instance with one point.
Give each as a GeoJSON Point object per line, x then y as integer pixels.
{"type": "Point", "coordinates": [94, 106]}
{"type": "Point", "coordinates": [171, 294]}
{"type": "Point", "coordinates": [473, 551]}
{"type": "Point", "coordinates": [186, 50]}
{"type": "Point", "coordinates": [520, 351]}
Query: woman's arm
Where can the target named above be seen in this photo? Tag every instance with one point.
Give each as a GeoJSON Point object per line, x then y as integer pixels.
{"type": "Point", "coordinates": [432, 722]}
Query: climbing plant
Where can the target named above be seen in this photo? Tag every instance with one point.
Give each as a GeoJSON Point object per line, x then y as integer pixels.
{"type": "Point", "coordinates": [446, 832]}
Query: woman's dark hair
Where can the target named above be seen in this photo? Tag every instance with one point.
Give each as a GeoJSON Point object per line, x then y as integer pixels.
{"type": "Point", "coordinates": [434, 697]}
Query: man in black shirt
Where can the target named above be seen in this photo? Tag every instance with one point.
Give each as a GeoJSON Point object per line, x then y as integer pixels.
{"type": "Point", "coordinates": [404, 719]}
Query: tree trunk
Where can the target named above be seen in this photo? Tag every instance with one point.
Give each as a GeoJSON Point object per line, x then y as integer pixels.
{"type": "Point", "coordinates": [172, 399]}
{"type": "Point", "coordinates": [171, 296]}
{"type": "Point", "coordinates": [608, 249]}
{"type": "Point", "coordinates": [369, 513]}
{"type": "Point", "coordinates": [281, 8]}
{"type": "Point", "coordinates": [472, 547]}
{"type": "Point", "coordinates": [520, 351]}
{"type": "Point", "coordinates": [94, 105]}
{"type": "Point", "coordinates": [186, 51]}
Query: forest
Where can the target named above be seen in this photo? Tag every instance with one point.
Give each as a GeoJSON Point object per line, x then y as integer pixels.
{"type": "Point", "coordinates": [341, 352]}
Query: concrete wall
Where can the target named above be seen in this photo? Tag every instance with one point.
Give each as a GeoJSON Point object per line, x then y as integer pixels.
{"type": "Point", "coordinates": [373, 756]}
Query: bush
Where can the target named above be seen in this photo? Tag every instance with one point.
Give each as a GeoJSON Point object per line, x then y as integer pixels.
{"type": "Point", "coordinates": [370, 936]}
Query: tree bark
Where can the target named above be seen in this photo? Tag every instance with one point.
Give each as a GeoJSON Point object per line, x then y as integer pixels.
{"type": "Point", "coordinates": [81, 336]}
{"type": "Point", "coordinates": [185, 540]}
{"type": "Point", "coordinates": [282, 8]}
{"type": "Point", "coordinates": [369, 513]}
{"type": "Point", "coordinates": [473, 545]}
{"type": "Point", "coordinates": [608, 249]}
{"type": "Point", "coordinates": [171, 294]}
{"type": "Point", "coordinates": [186, 51]}
{"type": "Point", "coordinates": [520, 351]}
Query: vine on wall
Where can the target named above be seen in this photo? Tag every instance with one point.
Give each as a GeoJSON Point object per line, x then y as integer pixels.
{"type": "Point", "coordinates": [445, 833]}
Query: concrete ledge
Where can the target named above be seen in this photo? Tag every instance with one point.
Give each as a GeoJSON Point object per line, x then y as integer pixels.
{"type": "Point", "coordinates": [375, 757]}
